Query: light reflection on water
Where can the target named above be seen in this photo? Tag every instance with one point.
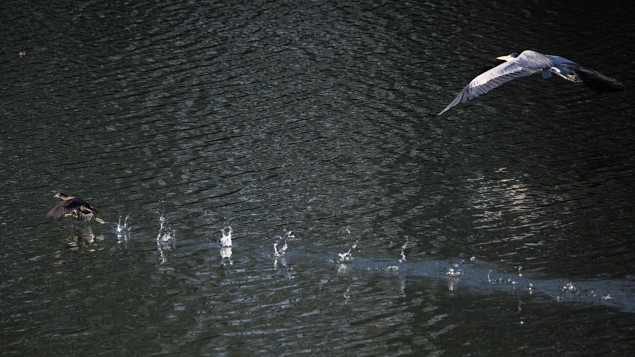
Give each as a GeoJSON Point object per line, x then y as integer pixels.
{"type": "Point", "coordinates": [411, 235]}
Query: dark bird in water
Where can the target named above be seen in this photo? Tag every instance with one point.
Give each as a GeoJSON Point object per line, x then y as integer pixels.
{"type": "Point", "coordinates": [73, 207]}
{"type": "Point", "coordinates": [530, 62]}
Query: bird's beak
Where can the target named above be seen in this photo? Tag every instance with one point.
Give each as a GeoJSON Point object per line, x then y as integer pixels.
{"type": "Point", "coordinates": [505, 58]}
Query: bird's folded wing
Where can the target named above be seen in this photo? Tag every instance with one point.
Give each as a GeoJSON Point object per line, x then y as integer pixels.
{"type": "Point", "coordinates": [489, 80]}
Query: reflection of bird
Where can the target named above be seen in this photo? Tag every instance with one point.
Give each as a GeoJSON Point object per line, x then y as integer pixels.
{"type": "Point", "coordinates": [73, 207]}
{"type": "Point", "coordinates": [530, 62]}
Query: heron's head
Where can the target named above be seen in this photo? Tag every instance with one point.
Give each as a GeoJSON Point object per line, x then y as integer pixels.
{"type": "Point", "coordinates": [508, 57]}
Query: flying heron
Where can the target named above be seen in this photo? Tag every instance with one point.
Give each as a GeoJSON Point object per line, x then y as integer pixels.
{"type": "Point", "coordinates": [530, 62]}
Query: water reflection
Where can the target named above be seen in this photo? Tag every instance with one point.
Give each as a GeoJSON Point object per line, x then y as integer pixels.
{"type": "Point", "coordinates": [82, 236]}
{"type": "Point", "coordinates": [226, 255]}
{"type": "Point", "coordinates": [512, 211]}
{"type": "Point", "coordinates": [282, 267]}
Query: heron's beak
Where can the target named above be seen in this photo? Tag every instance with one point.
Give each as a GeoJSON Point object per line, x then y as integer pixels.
{"type": "Point", "coordinates": [505, 58]}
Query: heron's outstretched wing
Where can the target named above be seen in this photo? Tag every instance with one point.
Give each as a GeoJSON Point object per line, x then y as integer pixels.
{"type": "Point", "coordinates": [596, 81]}
{"type": "Point", "coordinates": [489, 80]}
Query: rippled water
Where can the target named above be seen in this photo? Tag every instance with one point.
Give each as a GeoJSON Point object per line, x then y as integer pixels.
{"type": "Point", "coordinates": [504, 226]}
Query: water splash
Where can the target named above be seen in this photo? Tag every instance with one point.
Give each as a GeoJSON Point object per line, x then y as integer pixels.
{"type": "Point", "coordinates": [456, 269]}
{"type": "Point", "coordinates": [403, 251]}
{"type": "Point", "coordinates": [281, 241]}
{"type": "Point", "coordinates": [226, 240]}
{"type": "Point", "coordinates": [226, 246]}
{"type": "Point", "coordinates": [279, 248]}
{"type": "Point", "coordinates": [83, 237]}
{"type": "Point", "coordinates": [165, 233]}
{"type": "Point", "coordinates": [347, 295]}
{"type": "Point", "coordinates": [453, 271]}
{"type": "Point", "coordinates": [569, 287]}
{"type": "Point", "coordinates": [123, 230]}
{"type": "Point", "coordinates": [348, 256]}
{"type": "Point", "coordinates": [165, 239]}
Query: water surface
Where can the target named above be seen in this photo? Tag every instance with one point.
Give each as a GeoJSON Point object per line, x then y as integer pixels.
{"type": "Point", "coordinates": [504, 226]}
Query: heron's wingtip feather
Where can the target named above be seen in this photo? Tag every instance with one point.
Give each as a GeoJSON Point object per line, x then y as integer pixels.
{"type": "Point", "coordinates": [465, 95]}
{"type": "Point", "coordinates": [597, 81]}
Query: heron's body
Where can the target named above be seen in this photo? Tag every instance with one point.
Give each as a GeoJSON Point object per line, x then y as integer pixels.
{"type": "Point", "coordinates": [73, 207]}
{"type": "Point", "coordinates": [530, 62]}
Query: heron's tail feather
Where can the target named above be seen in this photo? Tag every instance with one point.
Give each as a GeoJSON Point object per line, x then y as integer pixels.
{"type": "Point", "coordinates": [597, 81]}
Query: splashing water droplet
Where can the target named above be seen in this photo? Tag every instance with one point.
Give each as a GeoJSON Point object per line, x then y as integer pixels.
{"type": "Point", "coordinates": [348, 256]}
{"type": "Point", "coordinates": [165, 233]}
{"type": "Point", "coordinates": [569, 287]}
{"type": "Point", "coordinates": [226, 240]}
{"type": "Point", "coordinates": [123, 230]}
{"type": "Point", "coordinates": [453, 272]}
{"type": "Point", "coordinates": [165, 239]}
{"type": "Point", "coordinates": [403, 252]}
{"type": "Point", "coordinates": [280, 246]}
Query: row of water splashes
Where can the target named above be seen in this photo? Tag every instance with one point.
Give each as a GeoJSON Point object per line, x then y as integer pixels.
{"type": "Point", "coordinates": [166, 243]}
{"type": "Point", "coordinates": [280, 245]}
{"type": "Point", "coordinates": [564, 290]}
{"type": "Point", "coordinates": [166, 238]}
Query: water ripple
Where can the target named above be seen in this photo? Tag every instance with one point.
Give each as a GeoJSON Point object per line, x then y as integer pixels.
{"type": "Point", "coordinates": [268, 116]}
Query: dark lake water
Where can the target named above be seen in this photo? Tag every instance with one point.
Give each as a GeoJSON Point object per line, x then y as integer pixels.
{"type": "Point", "coordinates": [505, 226]}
